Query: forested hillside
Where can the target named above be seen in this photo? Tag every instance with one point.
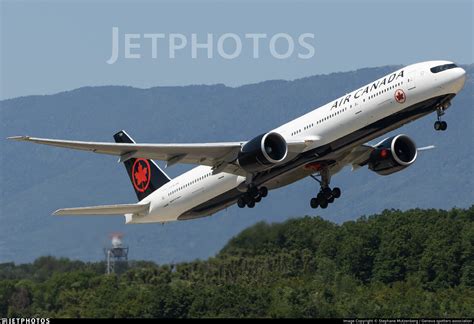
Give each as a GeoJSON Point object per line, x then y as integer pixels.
{"type": "Point", "coordinates": [396, 264]}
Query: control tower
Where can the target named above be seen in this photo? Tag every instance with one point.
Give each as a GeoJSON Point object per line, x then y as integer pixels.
{"type": "Point", "coordinates": [117, 254]}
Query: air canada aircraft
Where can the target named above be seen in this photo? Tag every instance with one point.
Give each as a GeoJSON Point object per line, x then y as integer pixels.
{"type": "Point", "coordinates": [318, 144]}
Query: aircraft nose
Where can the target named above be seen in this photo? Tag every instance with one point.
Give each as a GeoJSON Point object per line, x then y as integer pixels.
{"type": "Point", "coordinates": [459, 79]}
{"type": "Point", "coordinates": [456, 80]}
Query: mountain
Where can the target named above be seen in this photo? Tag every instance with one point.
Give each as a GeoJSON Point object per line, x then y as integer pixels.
{"type": "Point", "coordinates": [36, 180]}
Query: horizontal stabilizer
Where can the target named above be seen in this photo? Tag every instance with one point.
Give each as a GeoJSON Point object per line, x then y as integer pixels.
{"type": "Point", "coordinates": [105, 210]}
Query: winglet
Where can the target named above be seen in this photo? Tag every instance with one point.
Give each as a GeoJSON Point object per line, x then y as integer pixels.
{"type": "Point", "coordinates": [19, 138]}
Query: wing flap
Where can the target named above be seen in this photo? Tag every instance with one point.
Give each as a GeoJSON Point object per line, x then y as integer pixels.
{"type": "Point", "coordinates": [105, 210]}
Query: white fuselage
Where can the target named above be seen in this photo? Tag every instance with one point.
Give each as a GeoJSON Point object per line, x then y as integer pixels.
{"type": "Point", "coordinates": [368, 104]}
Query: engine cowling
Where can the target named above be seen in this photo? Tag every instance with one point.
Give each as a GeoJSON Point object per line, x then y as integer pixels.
{"type": "Point", "coordinates": [263, 152]}
{"type": "Point", "coordinates": [392, 155]}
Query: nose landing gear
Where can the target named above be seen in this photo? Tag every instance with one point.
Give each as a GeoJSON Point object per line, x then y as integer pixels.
{"type": "Point", "coordinates": [440, 125]}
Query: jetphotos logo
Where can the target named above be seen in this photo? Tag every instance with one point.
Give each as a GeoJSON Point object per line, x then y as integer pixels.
{"type": "Point", "coordinates": [227, 46]}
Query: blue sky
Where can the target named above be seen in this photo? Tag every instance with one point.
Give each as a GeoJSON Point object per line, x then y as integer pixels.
{"type": "Point", "coordinates": [52, 46]}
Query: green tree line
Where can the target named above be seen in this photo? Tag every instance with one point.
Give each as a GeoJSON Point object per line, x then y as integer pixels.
{"type": "Point", "coordinates": [417, 263]}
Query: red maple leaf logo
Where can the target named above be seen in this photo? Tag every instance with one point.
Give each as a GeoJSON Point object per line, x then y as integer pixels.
{"type": "Point", "coordinates": [400, 96]}
{"type": "Point", "coordinates": [141, 174]}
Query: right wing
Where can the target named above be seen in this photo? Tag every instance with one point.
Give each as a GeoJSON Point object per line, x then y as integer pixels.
{"type": "Point", "coordinates": [106, 210]}
{"type": "Point", "coordinates": [359, 156]}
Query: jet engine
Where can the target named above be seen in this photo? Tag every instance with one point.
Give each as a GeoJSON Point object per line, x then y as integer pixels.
{"type": "Point", "coordinates": [392, 155]}
{"type": "Point", "coordinates": [262, 152]}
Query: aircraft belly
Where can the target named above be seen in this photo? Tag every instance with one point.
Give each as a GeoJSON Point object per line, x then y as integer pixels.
{"type": "Point", "coordinates": [203, 203]}
{"type": "Point", "coordinates": [288, 178]}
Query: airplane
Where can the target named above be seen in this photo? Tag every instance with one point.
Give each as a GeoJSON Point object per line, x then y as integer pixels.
{"type": "Point", "coordinates": [318, 144]}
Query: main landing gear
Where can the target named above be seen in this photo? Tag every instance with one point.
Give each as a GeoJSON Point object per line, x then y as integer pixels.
{"type": "Point", "coordinates": [252, 196]}
{"type": "Point", "coordinates": [326, 195]}
{"type": "Point", "coordinates": [440, 125]}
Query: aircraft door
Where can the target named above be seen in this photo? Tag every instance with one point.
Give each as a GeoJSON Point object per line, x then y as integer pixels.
{"type": "Point", "coordinates": [411, 84]}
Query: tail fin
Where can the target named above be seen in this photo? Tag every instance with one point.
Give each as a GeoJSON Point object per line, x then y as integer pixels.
{"type": "Point", "coordinates": [145, 175]}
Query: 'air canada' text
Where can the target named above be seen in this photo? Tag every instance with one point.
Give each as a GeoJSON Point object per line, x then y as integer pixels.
{"type": "Point", "coordinates": [367, 89]}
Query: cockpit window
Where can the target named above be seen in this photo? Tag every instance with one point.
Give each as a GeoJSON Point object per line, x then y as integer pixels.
{"type": "Point", "coordinates": [443, 67]}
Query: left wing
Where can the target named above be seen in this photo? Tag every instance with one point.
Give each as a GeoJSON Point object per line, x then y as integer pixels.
{"type": "Point", "coordinates": [208, 154]}
{"type": "Point", "coordinates": [219, 156]}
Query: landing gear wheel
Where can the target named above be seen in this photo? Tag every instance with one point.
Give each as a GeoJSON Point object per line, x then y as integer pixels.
{"type": "Point", "coordinates": [336, 192]}
{"type": "Point", "coordinates": [324, 204]}
{"type": "Point", "coordinates": [437, 125]}
{"type": "Point", "coordinates": [247, 199]}
{"type": "Point", "coordinates": [327, 193]}
{"type": "Point", "coordinates": [263, 192]}
{"type": "Point", "coordinates": [331, 199]}
{"type": "Point", "coordinates": [444, 125]}
{"type": "Point", "coordinates": [253, 192]}
{"type": "Point", "coordinates": [252, 196]}
{"type": "Point", "coordinates": [314, 203]}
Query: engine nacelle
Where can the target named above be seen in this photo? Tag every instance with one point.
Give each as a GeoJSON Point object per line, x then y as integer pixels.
{"type": "Point", "coordinates": [263, 152]}
{"type": "Point", "coordinates": [392, 155]}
